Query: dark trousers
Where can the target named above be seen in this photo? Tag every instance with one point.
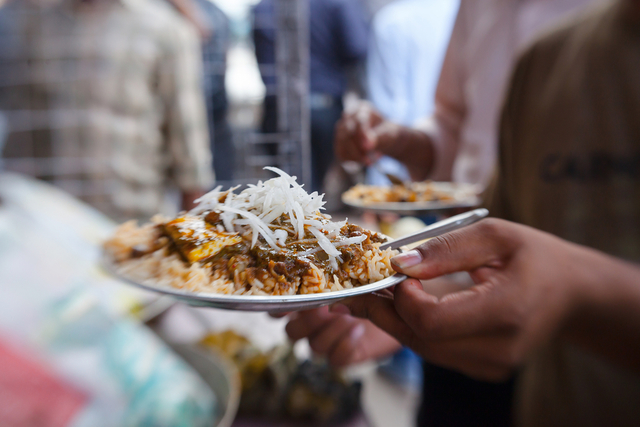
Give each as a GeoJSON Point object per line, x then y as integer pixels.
{"type": "Point", "coordinates": [323, 122]}
{"type": "Point", "coordinates": [222, 147]}
{"type": "Point", "coordinates": [454, 400]}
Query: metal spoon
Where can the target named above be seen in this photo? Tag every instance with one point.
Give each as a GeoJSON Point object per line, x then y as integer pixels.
{"type": "Point", "coordinates": [433, 230]}
{"type": "Point", "coordinates": [396, 180]}
{"type": "Point", "coordinates": [440, 227]}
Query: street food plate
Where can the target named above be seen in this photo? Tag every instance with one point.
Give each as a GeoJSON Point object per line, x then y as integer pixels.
{"type": "Point", "coordinates": [267, 248]}
{"type": "Point", "coordinates": [270, 303]}
{"type": "Point", "coordinates": [457, 195]}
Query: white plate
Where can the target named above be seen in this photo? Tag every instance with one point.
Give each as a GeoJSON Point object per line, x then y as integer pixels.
{"type": "Point", "coordinates": [275, 303]}
{"type": "Point", "coordinates": [464, 196]}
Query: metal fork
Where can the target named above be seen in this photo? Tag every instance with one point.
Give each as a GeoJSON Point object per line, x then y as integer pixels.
{"type": "Point", "coordinates": [433, 230]}
{"type": "Point", "coordinates": [438, 228]}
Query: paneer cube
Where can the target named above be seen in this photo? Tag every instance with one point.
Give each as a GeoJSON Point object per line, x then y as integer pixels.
{"type": "Point", "coordinates": [197, 240]}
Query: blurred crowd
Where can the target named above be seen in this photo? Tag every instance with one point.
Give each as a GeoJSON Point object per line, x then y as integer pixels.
{"type": "Point", "coordinates": [123, 104]}
{"type": "Point", "coordinates": [107, 100]}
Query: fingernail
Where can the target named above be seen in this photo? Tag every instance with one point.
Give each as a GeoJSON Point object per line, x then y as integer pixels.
{"type": "Point", "coordinates": [407, 259]}
{"type": "Point", "coordinates": [357, 332]}
{"type": "Point", "coordinates": [339, 309]}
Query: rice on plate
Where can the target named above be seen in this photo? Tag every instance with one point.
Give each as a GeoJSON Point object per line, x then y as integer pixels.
{"type": "Point", "coordinates": [426, 191]}
{"type": "Point", "coordinates": [269, 239]}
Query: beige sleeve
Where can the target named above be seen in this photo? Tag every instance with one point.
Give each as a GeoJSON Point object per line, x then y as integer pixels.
{"type": "Point", "coordinates": [501, 197]}
{"type": "Point", "coordinates": [444, 126]}
{"type": "Point", "coordinates": [188, 154]}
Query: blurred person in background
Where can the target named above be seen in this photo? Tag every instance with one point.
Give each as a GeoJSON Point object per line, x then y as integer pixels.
{"type": "Point", "coordinates": [214, 49]}
{"type": "Point", "coordinates": [406, 49]}
{"type": "Point", "coordinates": [213, 25]}
{"type": "Point", "coordinates": [408, 41]}
{"type": "Point", "coordinates": [264, 41]}
{"type": "Point", "coordinates": [104, 99]}
{"type": "Point", "coordinates": [458, 142]}
{"type": "Point", "coordinates": [338, 34]}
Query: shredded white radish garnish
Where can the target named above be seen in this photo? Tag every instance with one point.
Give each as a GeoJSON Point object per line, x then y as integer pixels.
{"type": "Point", "coordinates": [324, 242]}
{"type": "Point", "coordinates": [257, 225]}
{"type": "Point", "coordinates": [258, 206]}
{"type": "Point", "coordinates": [310, 252]}
{"type": "Point", "coordinates": [281, 236]}
{"type": "Point", "coordinates": [351, 240]}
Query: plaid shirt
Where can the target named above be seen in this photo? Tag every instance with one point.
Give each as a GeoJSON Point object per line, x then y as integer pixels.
{"type": "Point", "coordinates": [105, 100]}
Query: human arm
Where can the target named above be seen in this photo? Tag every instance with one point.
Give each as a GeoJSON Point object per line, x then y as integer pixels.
{"type": "Point", "coordinates": [343, 339]}
{"type": "Point", "coordinates": [363, 135]}
{"type": "Point", "coordinates": [429, 149]}
{"type": "Point", "coordinates": [444, 126]}
{"type": "Point", "coordinates": [529, 288]}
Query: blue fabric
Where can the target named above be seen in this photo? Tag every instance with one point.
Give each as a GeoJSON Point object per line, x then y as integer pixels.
{"type": "Point", "coordinates": [323, 121]}
{"type": "Point", "coordinates": [408, 44]}
{"type": "Point", "coordinates": [214, 54]}
{"type": "Point", "coordinates": [338, 38]}
{"type": "Point", "coordinates": [264, 41]}
{"type": "Point", "coordinates": [409, 39]}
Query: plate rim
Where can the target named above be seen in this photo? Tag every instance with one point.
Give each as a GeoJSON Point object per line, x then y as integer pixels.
{"type": "Point", "coordinates": [108, 263]}
{"type": "Point", "coordinates": [473, 199]}
{"type": "Point", "coordinates": [413, 206]}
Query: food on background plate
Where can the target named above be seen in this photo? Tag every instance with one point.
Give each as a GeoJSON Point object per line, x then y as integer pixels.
{"type": "Point", "coordinates": [269, 239]}
{"type": "Point", "coordinates": [427, 191]}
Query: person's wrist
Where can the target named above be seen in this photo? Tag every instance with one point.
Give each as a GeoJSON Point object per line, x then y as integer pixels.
{"type": "Point", "coordinates": [585, 286]}
{"type": "Point", "coordinates": [410, 146]}
{"type": "Point", "coordinates": [606, 315]}
{"type": "Point", "coordinates": [419, 152]}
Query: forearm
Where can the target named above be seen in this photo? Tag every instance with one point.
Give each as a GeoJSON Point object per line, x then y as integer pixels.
{"type": "Point", "coordinates": [606, 320]}
{"type": "Point", "coordinates": [414, 149]}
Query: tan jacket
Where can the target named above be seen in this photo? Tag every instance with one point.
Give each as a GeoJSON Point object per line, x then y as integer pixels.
{"type": "Point", "coordinates": [569, 164]}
